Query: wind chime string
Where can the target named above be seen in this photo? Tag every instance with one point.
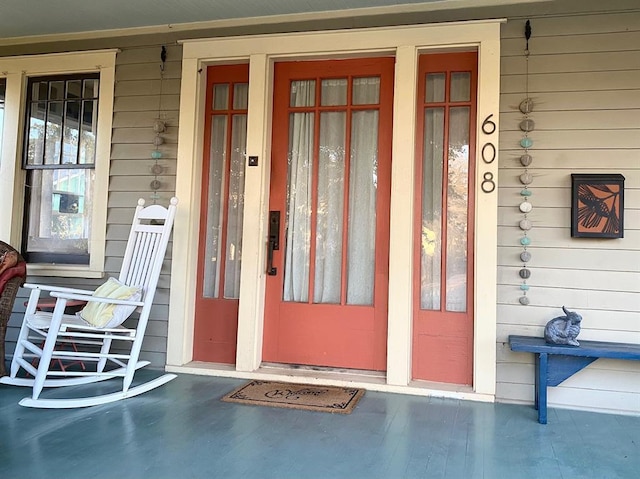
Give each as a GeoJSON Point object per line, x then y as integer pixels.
{"type": "Point", "coordinates": [526, 125]}
{"type": "Point", "coordinates": [158, 127]}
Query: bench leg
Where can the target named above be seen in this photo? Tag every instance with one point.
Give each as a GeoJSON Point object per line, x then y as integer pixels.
{"type": "Point", "coordinates": [542, 368]}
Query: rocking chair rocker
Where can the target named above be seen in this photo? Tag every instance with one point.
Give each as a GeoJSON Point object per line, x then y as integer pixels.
{"type": "Point", "coordinates": [46, 336]}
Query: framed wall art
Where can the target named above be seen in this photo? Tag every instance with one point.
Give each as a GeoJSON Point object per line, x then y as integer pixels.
{"type": "Point", "coordinates": [597, 205]}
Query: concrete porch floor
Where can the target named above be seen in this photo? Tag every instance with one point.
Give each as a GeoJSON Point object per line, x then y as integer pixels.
{"type": "Point", "coordinates": [182, 430]}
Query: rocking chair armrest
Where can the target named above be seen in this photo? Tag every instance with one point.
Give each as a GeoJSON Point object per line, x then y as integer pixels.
{"type": "Point", "coordinates": [96, 299]}
{"type": "Point", "coordinates": [60, 289]}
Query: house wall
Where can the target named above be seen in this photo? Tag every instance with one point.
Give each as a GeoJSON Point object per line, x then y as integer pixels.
{"type": "Point", "coordinates": [584, 77]}
{"type": "Point", "coordinates": [585, 80]}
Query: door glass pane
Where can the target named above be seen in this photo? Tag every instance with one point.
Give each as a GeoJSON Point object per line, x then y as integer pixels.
{"type": "Point", "coordinates": [235, 207]}
{"type": "Point", "coordinates": [362, 207]}
{"type": "Point", "coordinates": [330, 209]}
{"type": "Point", "coordinates": [216, 172]}
{"type": "Point", "coordinates": [334, 92]}
{"type": "Point", "coordinates": [431, 237]}
{"type": "Point", "coordinates": [461, 86]}
{"type": "Point", "coordinates": [366, 91]}
{"type": "Point", "coordinates": [299, 197]}
{"type": "Point", "coordinates": [303, 93]}
{"type": "Point", "coordinates": [457, 206]}
{"type": "Point", "coordinates": [435, 86]}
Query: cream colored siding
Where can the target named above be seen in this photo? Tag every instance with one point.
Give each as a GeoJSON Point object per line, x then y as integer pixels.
{"type": "Point", "coordinates": [584, 76]}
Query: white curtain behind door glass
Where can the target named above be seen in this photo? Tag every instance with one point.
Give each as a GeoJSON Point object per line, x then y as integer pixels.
{"type": "Point", "coordinates": [236, 207]}
{"type": "Point", "coordinates": [299, 184]}
{"type": "Point", "coordinates": [330, 210]}
{"type": "Point", "coordinates": [363, 183]}
{"type": "Point", "coordinates": [213, 244]}
{"type": "Point", "coordinates": [431, 234]}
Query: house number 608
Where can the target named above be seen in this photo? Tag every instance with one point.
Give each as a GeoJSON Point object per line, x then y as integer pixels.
{"type": "Point", "coordinates": [488, 154]}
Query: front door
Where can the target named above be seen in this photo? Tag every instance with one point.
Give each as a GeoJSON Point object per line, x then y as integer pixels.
{"type": "Point", "coordinates": [326, 292]}
{"type": "Point", "coordinates": [220, 248]}
{"type": "Point", "coordinates": [443, 280]}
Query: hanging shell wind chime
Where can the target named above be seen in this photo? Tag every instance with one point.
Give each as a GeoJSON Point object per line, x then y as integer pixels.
{"type": "Point", "coordinates": [526, 125]}
{"type": "Point", "coordinates": [159, 127]}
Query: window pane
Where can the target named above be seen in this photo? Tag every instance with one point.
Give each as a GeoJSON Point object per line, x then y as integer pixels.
{"type": "Point", "coordinates": [89, 130]}
{"type": "Point", "coordinates": [435, 87]}
{"type": "Point", "coordinates": [74, 89]}
{"type": "Point", "coordinates": [363, 183]}
{"type": "Point", "coordinates": [56, 90]}
{"type": "Point", "coordinates": [60, 212]}
{"type": "Point", "coordinates": [35, 140]}
{"type": "Point", "coordinates": [366, 91]}
{"type": "Point", "coordinates": [90, 88]}
{"type": "Point", "coordinates": [71, 133]}
{"type": "Point", "coordinates": [461, 86]}
{"type": "Point", "coordinates": [457, 209]}
{"type": "Point", "coordinates": [221, 97]}
{"type": "Point", "coordinates": [334, 92]}
{"type": "Point", "coordinates": [214, 206]}
{"type": "Point", "coordinates": [330, 208]}
{"type": "Point", "coordinates": [3, 88]}
{"type": "Point", "coordinates": [53, 134]}
{"type": "Point", "coordinates": [431, 237]}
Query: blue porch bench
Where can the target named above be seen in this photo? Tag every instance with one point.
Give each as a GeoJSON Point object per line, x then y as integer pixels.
{"type": "Point", "coordinates": [555, 363]}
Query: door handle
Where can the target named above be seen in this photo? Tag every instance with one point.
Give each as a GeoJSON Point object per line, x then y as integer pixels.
{"type": "Point", "coordinates": [274, 241]}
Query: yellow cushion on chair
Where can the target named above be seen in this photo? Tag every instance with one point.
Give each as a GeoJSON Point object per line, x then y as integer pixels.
{"type": "Point", "coordinates": [106, 315]}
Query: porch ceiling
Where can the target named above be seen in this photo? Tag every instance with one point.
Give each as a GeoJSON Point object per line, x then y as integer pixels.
{"type": "Point", "coordinates": [32, 20]}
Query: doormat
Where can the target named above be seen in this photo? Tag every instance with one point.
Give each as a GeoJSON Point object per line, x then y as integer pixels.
{"type": "Point", "coordinates": [297, 396]}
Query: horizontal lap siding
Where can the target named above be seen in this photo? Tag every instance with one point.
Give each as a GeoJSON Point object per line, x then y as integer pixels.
{"type": "Point", "coordinates": [584, 77]}
{"type": "Point", "coordinates": [139, 99]}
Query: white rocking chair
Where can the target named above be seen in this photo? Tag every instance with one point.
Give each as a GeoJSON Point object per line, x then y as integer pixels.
{"type": "Point", "coordinates": [53, 337]}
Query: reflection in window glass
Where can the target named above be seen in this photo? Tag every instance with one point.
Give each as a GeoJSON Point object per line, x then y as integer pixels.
{"type": "Point", "coordinates": [3, 89]}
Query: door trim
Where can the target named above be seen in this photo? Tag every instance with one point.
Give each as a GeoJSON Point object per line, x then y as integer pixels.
{"type": "Point", "coordinates": [261, 51]}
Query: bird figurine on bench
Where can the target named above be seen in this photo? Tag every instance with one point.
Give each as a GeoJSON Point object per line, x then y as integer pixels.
{"type": "Point", "coordinates": [563, 329]}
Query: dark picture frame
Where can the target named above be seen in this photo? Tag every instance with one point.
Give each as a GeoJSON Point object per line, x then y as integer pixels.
{"type": "Point", "coordinates": [597, 205]}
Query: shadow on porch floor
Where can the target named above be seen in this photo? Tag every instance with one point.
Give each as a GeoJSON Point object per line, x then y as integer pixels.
{"type": "Point", "coordinates": [182, 430]}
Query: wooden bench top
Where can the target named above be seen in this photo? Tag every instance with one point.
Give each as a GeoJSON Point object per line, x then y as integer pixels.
{"type": "Point", "coordinates": [599, 349]}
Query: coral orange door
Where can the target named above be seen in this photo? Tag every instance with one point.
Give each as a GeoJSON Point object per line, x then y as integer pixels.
{"type": "Point", "coordinates": [220, 248]}
{"type": "Point", "coordinates": [443, 285]}
{"type": "Point", "coordinates": [326, 293]}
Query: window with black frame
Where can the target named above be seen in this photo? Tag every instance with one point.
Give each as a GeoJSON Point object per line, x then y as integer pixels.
{"type": "Point", "coordinates": [59, 158]}
{"type": "Point", "coordinates": [3, 89]}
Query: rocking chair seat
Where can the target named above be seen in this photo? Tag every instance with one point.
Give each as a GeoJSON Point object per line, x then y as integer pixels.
{"type": "Point", "coordinates": [44, 336]}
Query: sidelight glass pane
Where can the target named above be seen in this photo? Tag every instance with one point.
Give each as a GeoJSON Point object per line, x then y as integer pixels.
{"type": "Point", "coordinates": [221, 96]}
{"type": "Point", "coordinates": [334, 92]}
{"type": "Point", "coordinates": [435, 87]}
{"type": "Point", "coordinates": [330, 208]}
{"type": "Point", "coordinates": [431, 237]}
{"type": "Point", "coordinates": [299, 197]}
{"type": "Point", "coordinates": [214, 206]}
{"type": "Point", "coordinates": [457, 209]}
{"type": "Point", "coordinates": [461, 86]}
{"type": "Point", "coordinates": [363, 183]}
{"type": "Point", "coordinates": [240, 96]}
{"type": "Point", "coordinates": [235, 207]}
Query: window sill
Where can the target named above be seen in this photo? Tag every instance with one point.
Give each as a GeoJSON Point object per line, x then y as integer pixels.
{"type": "Point", "coordinates": [66, 271]}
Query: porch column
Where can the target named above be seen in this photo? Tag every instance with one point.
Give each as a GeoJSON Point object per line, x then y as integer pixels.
{"type": "Point", "coordinates": [401, 221]}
